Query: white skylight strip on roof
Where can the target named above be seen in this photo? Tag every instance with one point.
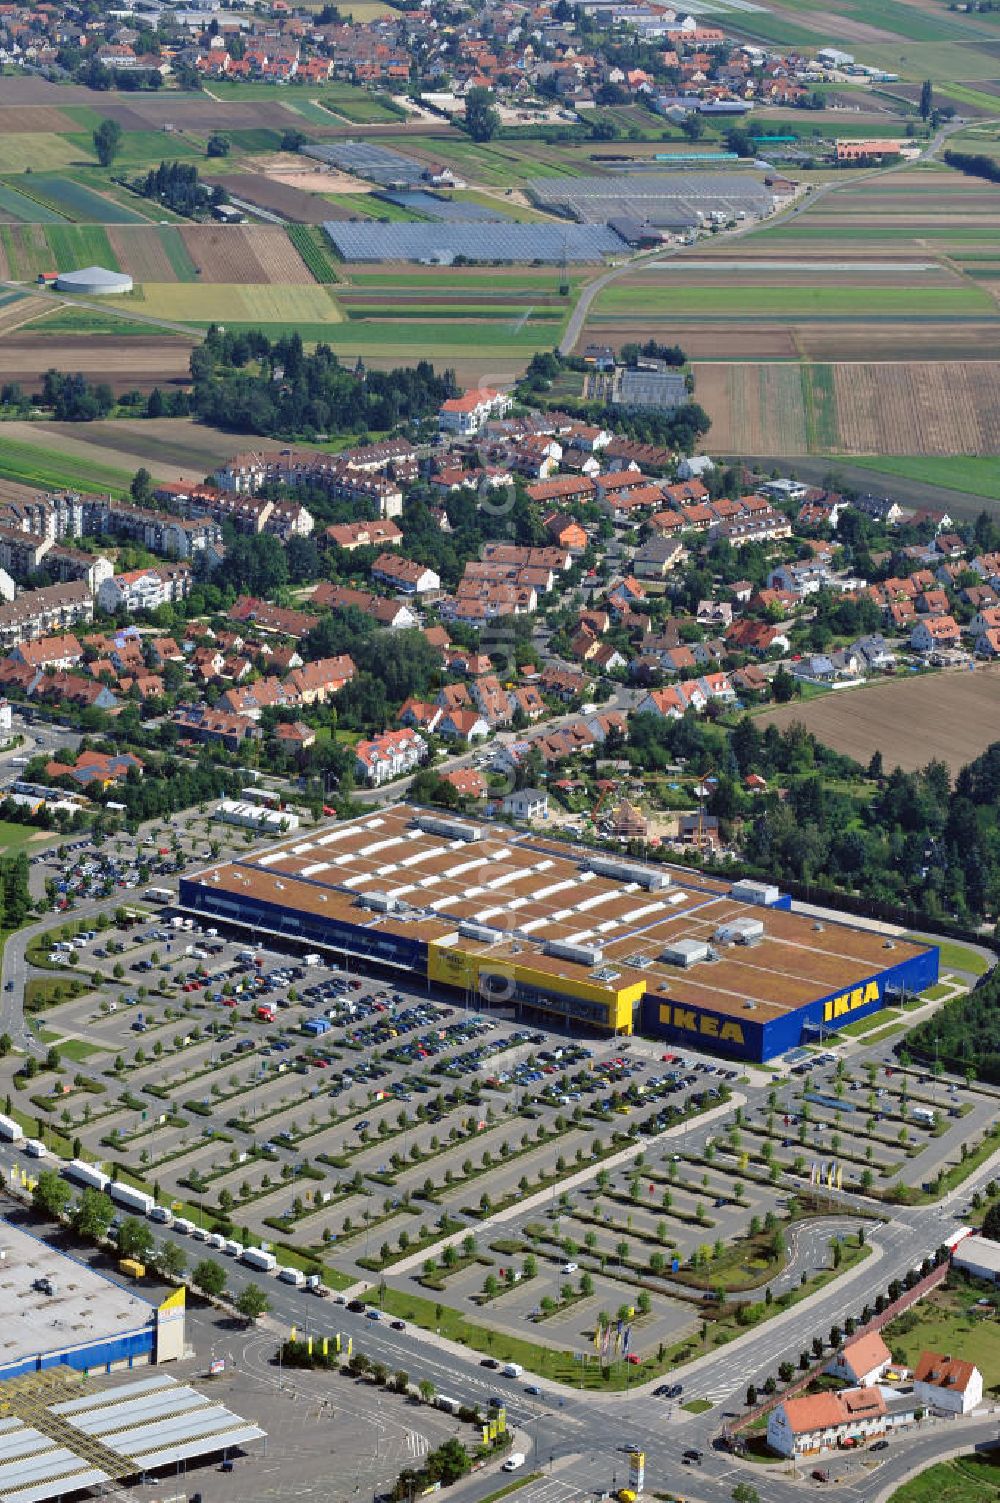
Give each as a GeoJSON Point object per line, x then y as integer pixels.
{"type": "Point", "coordinates": [639, 913]}
{"type": "Point", "coordinates": [317, 866]}
{"type": "Point", "coordinates": [504, 878]}
{"type": "Point", "coordinates": [23, 1443]}
{"type": "Point", "coordinates": [380, 845]}
{"type": "Point", "coordinates": [180, 1452]}
{"type": "Point", "coordinates": [467, 866]}
{"type": "Point", "coordinates": [427, 854]}
{"type": "Point", "coordinates": [114, 1395]}
{"type": "Point", "coordinates": [57, 1486]}
{"type": "Point", "coordinates": [553, 887]}
{"type": "Point", "coordinates": [332, 835]}
{"type": "Point", "coordinates": [673, 898]}
{"type": "Point", "coordinates": [272, 857]}
{"type": "Point", "coordinates": [595, 900]}
{"type": "Point", "coordinates": [302, 849]}
{"type": "Point", "coordinates": [531, 924]}
{"type": "Point", "coordinates": [430, 881]}
{"type": "Point", "coordinates": [606, 926]}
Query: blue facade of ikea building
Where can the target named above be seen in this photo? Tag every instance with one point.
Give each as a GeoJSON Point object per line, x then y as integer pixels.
{"type": "Point", "coordinates": [741, 1036]}
{"type": "Point", "coordinates": [248, 910]}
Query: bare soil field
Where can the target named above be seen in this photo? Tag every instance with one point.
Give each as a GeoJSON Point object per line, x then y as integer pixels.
{"type": "Point", "coordinates": [753, 407]}
{"type": "Point", "coordinates": [749, 341]}
{"type": "Point", "coordinates": [172, 443]}
{"type": "Point", "coordinates": [141, 253]}
{"type": "Point", "coordinates": [124, 363]}
{"type": "Point", "coordinates": [903, 341]}
{"type": "Point", "coordinates": [949, 407]}
{"type": "Point", "coordinates": [199, 112]}
{"type": "Point", "coordinates": [864, 407]}
{"type": "Point", "coordinates": [245, 253]}
{"type": "Point", "coordinates": [949, 716]}
{"type": "Point", "coordinates": [32, 118]}
{"type": "Point", "coordinates": [268, 193]}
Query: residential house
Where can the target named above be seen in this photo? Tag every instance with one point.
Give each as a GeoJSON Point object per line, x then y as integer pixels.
{"type": "Point", "coordinates": [527, 804]}
{"type": "Point", "coordinates": [352, 535]}
{"type": "Point", "coordinates": [466, 781]}
{"type": "Point", "coordinates": [390, 755]}
{"type": "Point", "coordinates": [49, 652]}
{"type": "Point", "coordinates": [470, 412]}
{"type": "Point", "coordinates": [405, 575]}
{"type": "Point", "coordinates": [947, 1384]}
{"type": "Point", "coordinates": [862, 1361]}
{"type": "Point", "coordinates": [491, 700]}
{"type": "Point", "coordinates": [935, 632]}
{"type": "Point", "coordinates": [145, 589]}
{"type": "Point", "coordinates": [96, 769]}
{"type": "Point", "coordinates": [391, 613]}
{"type": "Point", "coordinates": [463, 725]}
{"type": "Point", "coordinates": [657, 557]}
{"type": "Point", "coordinates": [37, 613]}
{"type": "Point", "coordinates": [876, 652]}
{"type": "Point", "coordinates": [819, 1422]}
{"type": "Point", "coordinates": [201, 723]}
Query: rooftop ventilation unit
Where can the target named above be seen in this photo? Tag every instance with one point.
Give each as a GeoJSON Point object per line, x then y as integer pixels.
{"type": "Point", "coordinates": [380, 902]}
{"type": "Point", "coordinates": [606, 974]}
{"type": "Point", "coordinates": [451, 829]}
{"type": "Point", "coordinates": [818, 927]}
{"type": "Point", "coordinates": [740, 931]}
{"type": "Point", "coordinates": [639, 962]}
{"type": "Point", "coordinates": [481, 932]}
{"type": "Point", "coordinates": [561, 949]}
{"type": "Point", "coordinates": [686, 952]}
{"type": "Point", "coordinates": [627, 871]}
{"type": "Point", "coordinates": [764, 894]}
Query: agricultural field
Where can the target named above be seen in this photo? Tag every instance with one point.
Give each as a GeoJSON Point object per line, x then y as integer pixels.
{"type": "Point", "coordinates": [235, 302]}
{"type": "Point", "coordinates": [972, 475]}
{"type": "Point", "coordinates": [17, 208]}
{"type": "Point", "coordinates": [277, 197]}
{"type": "Point", "coordinates": [36, 152]}
{"type": "Point", "coordinates": [906, 408]}
{"type": "Point", "coordinates": [74, 201]}
{"type": "Point", "coordinates": [249, 254]}
{"type": "Point", "coordinates": [134, 358]}
{"type": "Point", "coordinates": [169, 446]}
{"type": "Point", "coordinates": [81, 447]}
{"type": "Point", "coordinates": [949, 716]}
{"type": "Point", "coordinates": [153, 253]}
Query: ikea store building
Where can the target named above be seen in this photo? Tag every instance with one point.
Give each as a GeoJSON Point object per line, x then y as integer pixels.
{"type": "Point", "coordinates": [567, 935]}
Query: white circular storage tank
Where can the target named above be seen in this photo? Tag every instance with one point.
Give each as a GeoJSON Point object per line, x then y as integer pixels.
{"type": "Point", "coordinates": [95, 281]}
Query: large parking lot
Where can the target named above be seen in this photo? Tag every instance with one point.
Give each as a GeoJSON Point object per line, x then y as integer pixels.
{"type": "Point", "coordinates": [541, 1184]}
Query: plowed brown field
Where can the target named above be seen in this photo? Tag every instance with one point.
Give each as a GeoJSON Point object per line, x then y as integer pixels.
{"type": "Point", "coordinates": [125, 363]}
{"type": "Point", "coordinates": [245, 253]}
{"type": "Point", "coordinates": [140, 252]}
{"type": "Point", "coordinates": [950, 716]}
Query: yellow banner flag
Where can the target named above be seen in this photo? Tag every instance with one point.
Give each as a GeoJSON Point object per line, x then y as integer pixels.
{"type": "Point", "coordinates": [350, 1345]}
{"type": "Point", "coordinates": [337, 1340]}
{"type": "Point", "coordinates": [486, 1435]}
{"type": "Point", "coordinates": [326, 1346]}
{"type": "Point", "coordinates": [840, 1176]}
{"type": "Point", "coordinates": [501, 1420]}
{"type": "Point", "coordinates": [295, 1333]}
{"type": "Point", "coordinates": [309, 1345]}
{"type": "Point", "coordinates": [493, 1429]}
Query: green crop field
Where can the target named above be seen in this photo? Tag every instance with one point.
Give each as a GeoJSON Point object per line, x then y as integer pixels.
{"type": "Point", "coordinates": [735, 301]}
{"type": "Point", "coordinates": [35, 465]}
{"type": "Point", "coordinates": [74, 201]}
{"type": "Point", "coordinates": [26, 250]}
{"type": "Point", "coordinates": [142, 148]}
{"type": "Point", "coordinates": [314, 248]}
{"type": "Point", "coordinates": [367, 206]}
{"type": "Point", "coordinates": [67, 319]}
{"type": "Point", "coordinates": [259, 139]}
{"type": "Point", "coordinates": [14, 205]}
{"type": "Point", "coordinates": [356, 105]}
{"type": "Point", "coordinates": [970, 474]}
{"type": "Point", "coordinates": [36, 152]}
{"type": "Point", "coordinates": [75, 246]}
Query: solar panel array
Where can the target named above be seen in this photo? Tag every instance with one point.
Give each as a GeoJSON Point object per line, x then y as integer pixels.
{"type": "Point", "coordinates": [447, 210]}
{"type": "Point", "coordinates": [660, 197]}
{"type": "Point", "coordinates": [444, 243]}
{"type": "Point", "coordinates": [376, 163]}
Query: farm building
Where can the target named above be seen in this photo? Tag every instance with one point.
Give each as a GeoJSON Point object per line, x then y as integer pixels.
{"type": "Point", "coordinates": [94, 281]}
{"type": "Point", "coordinates": [557, 932]}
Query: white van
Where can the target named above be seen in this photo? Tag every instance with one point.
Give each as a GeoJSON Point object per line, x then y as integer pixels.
{"type": "Point", "coordinates": [183, 1226]}
{"type": "Point", "coordinates": [34, 1149]}
{"type": "Point", "coordinates": [514, 1462]}
{"type": "Point", "coordinates": [512, 1369]}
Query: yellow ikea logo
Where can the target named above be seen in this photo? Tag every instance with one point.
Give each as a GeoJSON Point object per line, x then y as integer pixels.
{"type": "Point", "coordinates": [705, 1023]}
{"type": "Point", "coordinates": [861, 996]}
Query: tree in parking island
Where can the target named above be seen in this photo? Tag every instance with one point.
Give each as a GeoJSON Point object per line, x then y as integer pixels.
{"type": "Point", "coordinates": [209, 1276]}
{"type": "Point", "coordinates": [252, 1303]}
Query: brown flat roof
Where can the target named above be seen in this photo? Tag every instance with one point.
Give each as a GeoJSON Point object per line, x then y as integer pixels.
{"type": "Point", "coordinates": [532, 889]}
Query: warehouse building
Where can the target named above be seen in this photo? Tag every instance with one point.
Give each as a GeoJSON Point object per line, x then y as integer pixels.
{"type": "Point", "coordinates": [56, 1310]}
{"type": "Point", "coordinates": [564, 934]}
